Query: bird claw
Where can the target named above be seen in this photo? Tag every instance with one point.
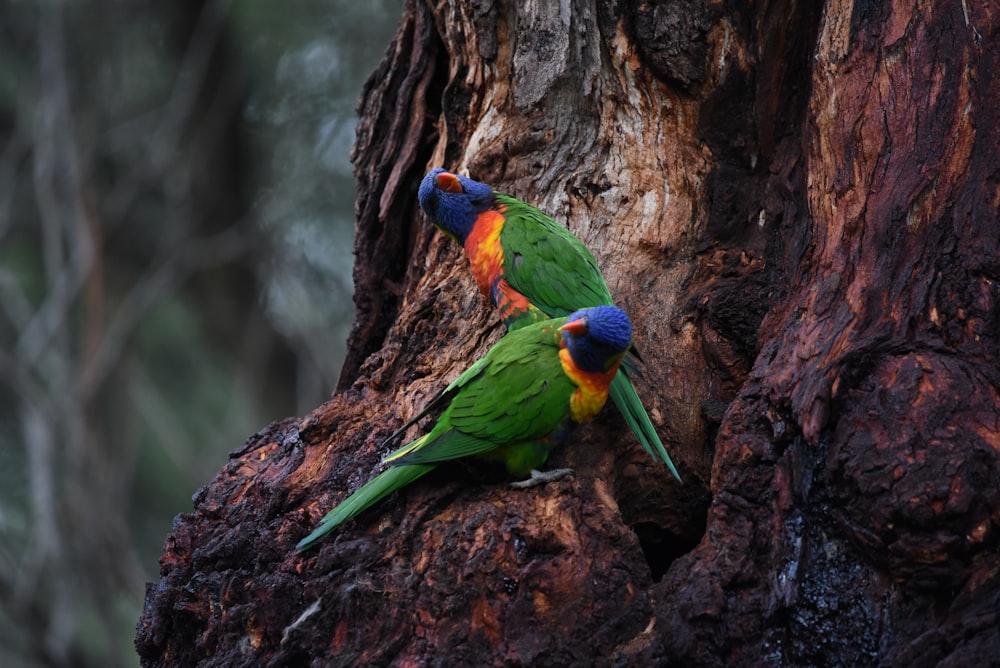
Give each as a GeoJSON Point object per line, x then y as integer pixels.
{"type": "Point", "coordinates": [540, 478]}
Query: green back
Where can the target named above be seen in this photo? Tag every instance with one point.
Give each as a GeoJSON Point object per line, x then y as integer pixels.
{"type": "Point", "coordinates": [547, 264]}
{"type": "Point", "coordinates": [516, 393]}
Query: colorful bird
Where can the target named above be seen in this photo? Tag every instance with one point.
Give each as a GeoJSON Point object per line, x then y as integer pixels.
{"type": "Point", "coordinates": [531, 268]}
{"type": "Point", "coordinates": [514, 405]}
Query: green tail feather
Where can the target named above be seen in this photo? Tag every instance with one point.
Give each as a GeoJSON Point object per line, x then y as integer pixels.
{"type": "Point", "coordinates": [623, 393]}
{"type": "Point", "coordinates": [368, 495]}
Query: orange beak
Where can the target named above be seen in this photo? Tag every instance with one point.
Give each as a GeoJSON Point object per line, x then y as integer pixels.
{"type": "Point", "coordinates": [575, 327]}
{"type": "Point", "coordinates": [449, 183]}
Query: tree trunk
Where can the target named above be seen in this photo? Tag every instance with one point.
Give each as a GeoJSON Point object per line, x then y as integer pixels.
{"type": "Point", "coordinates": [797, 204]}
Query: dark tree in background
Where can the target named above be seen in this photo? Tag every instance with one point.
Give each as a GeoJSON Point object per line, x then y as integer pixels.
{"type": "Point", "coordinates": [176, 210]}
{"type": "Point", "coordinates": [120, 186]}
{"type": "Point", "coordinates": [797, 203]}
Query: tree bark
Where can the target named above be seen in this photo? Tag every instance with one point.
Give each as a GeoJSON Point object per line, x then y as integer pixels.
{"type": "Point", "coordinates": [797, 204]}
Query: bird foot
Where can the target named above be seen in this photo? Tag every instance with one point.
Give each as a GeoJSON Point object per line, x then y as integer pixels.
{"type": "Point", "coordinates": [540, 478]}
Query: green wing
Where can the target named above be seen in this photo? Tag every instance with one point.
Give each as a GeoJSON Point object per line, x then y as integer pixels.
{"type": "Point", "coordinates": [487, 412]}
{"type": "Point", "coordinates": [546, 263]}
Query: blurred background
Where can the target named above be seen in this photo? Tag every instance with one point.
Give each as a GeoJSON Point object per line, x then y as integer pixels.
{"type": "Point", "coordinates": [176, 224]}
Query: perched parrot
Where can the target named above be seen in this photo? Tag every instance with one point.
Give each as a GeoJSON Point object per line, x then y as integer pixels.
{"type": "Point", "coordinates": [531, 268]}
{"type": "Point", "coordinates": [513, 405]}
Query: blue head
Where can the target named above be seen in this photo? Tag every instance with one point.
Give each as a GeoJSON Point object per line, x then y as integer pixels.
{"type": "Point", "coordinates": [453, 202]}
{"type": "Point", "coordinates": [597, 337]}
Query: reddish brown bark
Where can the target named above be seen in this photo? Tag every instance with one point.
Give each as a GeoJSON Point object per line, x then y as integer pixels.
{"type": "Point", "coordinates": [798, 206]}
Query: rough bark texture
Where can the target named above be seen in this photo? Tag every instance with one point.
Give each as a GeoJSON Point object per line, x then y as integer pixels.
{"type": "Point", "coordinates": [797, 203]}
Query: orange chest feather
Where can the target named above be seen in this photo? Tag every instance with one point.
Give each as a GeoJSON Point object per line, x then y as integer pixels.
{"type": "Point", "coordinates": [483, 248]}
{"type": "Point", "coordinates": [591, 388]}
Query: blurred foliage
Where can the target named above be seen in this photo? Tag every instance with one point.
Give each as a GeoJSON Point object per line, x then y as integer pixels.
{"type": "Point", "coordinates": [176, 223]}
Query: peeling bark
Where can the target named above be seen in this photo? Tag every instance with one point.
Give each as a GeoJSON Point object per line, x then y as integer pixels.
{"type": "Point", "coordinates": [797, 205]}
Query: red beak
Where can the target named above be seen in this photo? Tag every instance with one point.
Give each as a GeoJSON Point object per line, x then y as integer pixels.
{"type": "Point", "coordinates": [575, 327]}
{"type": "Point", "coordinates": [449, 183]}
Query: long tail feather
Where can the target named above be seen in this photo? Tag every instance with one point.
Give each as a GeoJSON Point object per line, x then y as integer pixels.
{"type": "Point", "coordinates": [368, 495]}
{"type": "Point", "coordinates": [406, 449]}
{"type": "Point", "coordinates": [433, 404]}
{"type": "Point", "coordinates": [623, 393]}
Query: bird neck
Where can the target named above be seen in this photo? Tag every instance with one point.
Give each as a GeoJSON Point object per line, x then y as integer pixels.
{"type": "Point", "coordinates": [484, 250]}
{"type": "Point", "coordinates": [592, 387]}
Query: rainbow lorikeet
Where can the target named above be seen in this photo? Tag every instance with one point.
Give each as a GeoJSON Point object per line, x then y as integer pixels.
{"type": "Point", "coordinates": [513, 405]}
{"type": "Point", "coordinates": [531, 268]}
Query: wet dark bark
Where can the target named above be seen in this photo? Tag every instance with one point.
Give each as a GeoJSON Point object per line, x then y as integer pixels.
{"type": "Point", "coordinates": [797, 204]}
